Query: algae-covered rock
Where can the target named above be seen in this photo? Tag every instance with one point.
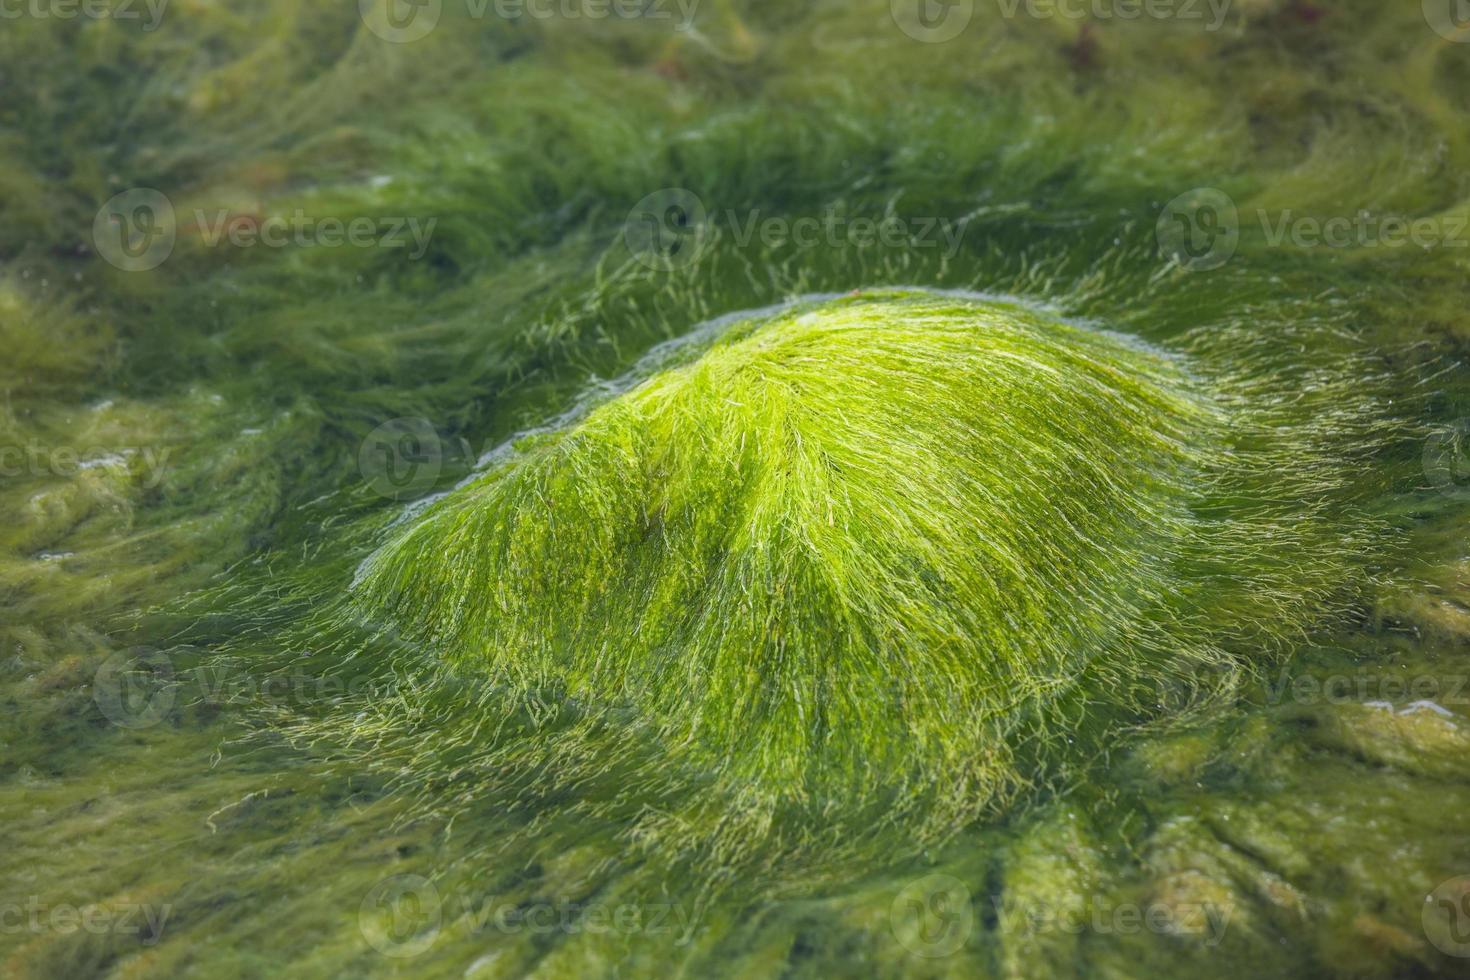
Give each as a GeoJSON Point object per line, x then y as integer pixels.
{"type": "Point", "coordinates": [899, 547]}
{"type": "Point", "coordinates": [1421, 736]}
{"type": "Point", "coordinates": [1051, 898]}
{"type": "Point", "coordinates": [848, 547]}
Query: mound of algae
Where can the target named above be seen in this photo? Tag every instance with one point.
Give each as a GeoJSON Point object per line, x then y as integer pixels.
{"type": "Point", "coordinates": [897, 550]}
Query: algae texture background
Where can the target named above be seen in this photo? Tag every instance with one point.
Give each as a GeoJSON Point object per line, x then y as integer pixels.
{"type": "Point", "coordinates": [734, 489]}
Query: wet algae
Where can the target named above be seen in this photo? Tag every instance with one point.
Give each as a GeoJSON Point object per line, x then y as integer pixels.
{"type": "Point", "coordinates": [1002, 595]}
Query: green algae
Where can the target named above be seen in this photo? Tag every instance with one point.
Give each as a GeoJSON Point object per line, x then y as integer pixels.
{"type": "Point", "coordinates": [884, 512]}
{"type": "Point", "coordinates": [877, 550]}
{"type": "Point", "coordinates": [265, 819]}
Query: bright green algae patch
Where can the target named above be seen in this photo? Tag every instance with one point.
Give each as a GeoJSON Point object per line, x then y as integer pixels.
{"type": "Point", "coordinates": [843, 549]}
{"type": "Point", "coordinates": [892, 548]}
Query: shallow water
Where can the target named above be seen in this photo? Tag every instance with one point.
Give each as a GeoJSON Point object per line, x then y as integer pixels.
{"type": "Point", "coordinates": [218, 406]}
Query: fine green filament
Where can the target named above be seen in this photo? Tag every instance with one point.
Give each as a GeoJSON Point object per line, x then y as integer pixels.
{"type": "Point", "coordinates": [892, 548]}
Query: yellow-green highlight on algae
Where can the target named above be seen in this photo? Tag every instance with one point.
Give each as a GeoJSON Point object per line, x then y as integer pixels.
{"type": "Point", "coordinates": [890, 556]}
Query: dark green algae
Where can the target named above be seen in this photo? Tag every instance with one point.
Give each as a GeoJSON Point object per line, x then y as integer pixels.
{"type": "Point", "coordinates": [1303, 820]}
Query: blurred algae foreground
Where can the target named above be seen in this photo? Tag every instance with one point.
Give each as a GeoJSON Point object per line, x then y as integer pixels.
{"type": "Point", "coordinates": [745, 489]}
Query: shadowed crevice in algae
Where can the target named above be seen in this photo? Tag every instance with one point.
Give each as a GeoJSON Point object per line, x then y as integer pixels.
{"type": "Point", "coordinates": [884, 560]}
